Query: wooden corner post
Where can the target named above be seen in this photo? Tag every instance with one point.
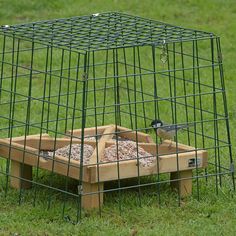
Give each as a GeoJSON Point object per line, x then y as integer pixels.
{"type": "Point", "coordinates": [92, 195]}
{"type": "Point", "coordinates": [19, 172]}
{"type": "Point", "coordinates": [182, 182]}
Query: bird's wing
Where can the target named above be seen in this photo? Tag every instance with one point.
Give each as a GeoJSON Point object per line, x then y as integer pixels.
{"type": "Point", "coordinates": [165, 134]}
{"type": "Point", "coordinates": [169, 128]}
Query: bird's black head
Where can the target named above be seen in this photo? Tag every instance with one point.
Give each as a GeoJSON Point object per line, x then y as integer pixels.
{"type": "Point", "coordinates": [156, 124]}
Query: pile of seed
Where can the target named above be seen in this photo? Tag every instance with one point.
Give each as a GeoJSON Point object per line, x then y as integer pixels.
{"type": "Point", "coordinates": [120, 138]}
{"type": "Point", "coordinates": [91, 137]}
{"type": "Point", "coordinates": [74, 153]}
{"type": "Point", "coordinates": [128, 150]}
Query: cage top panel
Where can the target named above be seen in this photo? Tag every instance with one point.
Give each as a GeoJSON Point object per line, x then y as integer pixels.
{"type": "Point", "coordinates": [101, 31]}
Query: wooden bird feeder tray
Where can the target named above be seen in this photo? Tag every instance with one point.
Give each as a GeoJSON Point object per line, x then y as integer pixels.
{"type": "Point", "coordinates": [20, 150]}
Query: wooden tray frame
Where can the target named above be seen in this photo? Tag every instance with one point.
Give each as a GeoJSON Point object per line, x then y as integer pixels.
{"type": "Point", "coordinates": [20, 150]}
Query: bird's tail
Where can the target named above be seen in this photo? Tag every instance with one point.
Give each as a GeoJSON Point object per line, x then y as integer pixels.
{"type": "Point", "coordinates": [183, 126]}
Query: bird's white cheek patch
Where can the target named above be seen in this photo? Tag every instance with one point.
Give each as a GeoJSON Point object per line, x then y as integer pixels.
{"type": "Point", "coordinates": [156, 126]}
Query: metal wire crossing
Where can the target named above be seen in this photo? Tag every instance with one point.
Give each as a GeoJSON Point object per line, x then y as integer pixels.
{"type": "Point", "coordinates": [102, 31]}
{"type": "Point", "coordinates": [78, 100]}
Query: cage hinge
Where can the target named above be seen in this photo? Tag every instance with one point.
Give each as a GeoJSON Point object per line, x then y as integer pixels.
{"type": "Point", "coordinates": [164, 54]}
{"type": "Point", "coordinates": [85, 76]}
{"type": "Point", "coordinates": [220, 57]}
{"type": "Point", "coordinates": [80, 189]}
{"type": "Point", "coordinates": [231, 167]}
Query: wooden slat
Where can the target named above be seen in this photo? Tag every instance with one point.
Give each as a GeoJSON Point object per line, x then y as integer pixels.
{"type": "Point", "coordinates": [160, 149]}
{"type": "Point", "coordinates": [122, 132]}
{"type": "Point", "coordinates": [128, 169]}
{"type": "Point", "coordinates": [130, 134]}
{"type": "Point", "coordinates": [59, 164]}
{"type": "Point", "coordinates": [169, 163]}
{"type": "Point", "coordinates": [17, 148]}
{"type": "Point", "coordinates": [99, 150]}
{"type": "Point", "coordinates": [88, 131]}
{"type": "Point", "coordinates": [47, 143]}
{"type": "Point", "coordinates": [171, 145]}
{"type": "Point", "coordinates": [21, 139]}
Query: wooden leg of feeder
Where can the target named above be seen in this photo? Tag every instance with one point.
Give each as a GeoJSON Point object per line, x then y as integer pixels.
{"type": "Point", "coordinates": [184, 185]}
{"type": "Point", "coordinates": [18, 170]}
{"type": "Point", "coordinates": [92, 200]}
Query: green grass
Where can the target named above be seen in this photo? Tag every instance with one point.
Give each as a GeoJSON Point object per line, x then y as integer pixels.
{"type": "Point", "coordinates": [211, 215]}
{"type": "Point", "coordinates": [207, 217]}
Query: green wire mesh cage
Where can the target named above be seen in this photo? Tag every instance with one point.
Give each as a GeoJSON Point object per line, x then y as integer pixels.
{"type": "Point", "coordinates": [111, 111]}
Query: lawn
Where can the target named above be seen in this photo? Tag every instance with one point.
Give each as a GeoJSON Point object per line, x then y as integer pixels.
{"type": "Point", "coordinates": [213, 214]}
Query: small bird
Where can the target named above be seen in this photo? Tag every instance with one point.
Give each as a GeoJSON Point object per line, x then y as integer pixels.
{"type": "Point", "coordinates": [166, 132]}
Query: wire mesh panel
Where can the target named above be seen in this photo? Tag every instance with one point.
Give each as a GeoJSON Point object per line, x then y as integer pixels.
{"type": "Point", "coordinates": [99, 108]}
